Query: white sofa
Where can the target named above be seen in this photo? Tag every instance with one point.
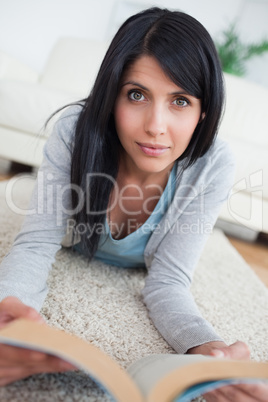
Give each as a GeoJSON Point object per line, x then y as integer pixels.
{"type": "Point", "coordinates": [245, 127]}
{"type": "Point", "coordinates": [27, 99]}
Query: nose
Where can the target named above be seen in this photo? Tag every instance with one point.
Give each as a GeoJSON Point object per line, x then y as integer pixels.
{"type": "Point", "coordinates": [155, 121]}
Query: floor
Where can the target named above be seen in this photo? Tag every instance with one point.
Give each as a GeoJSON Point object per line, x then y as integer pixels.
{"type": "Point", "coordinates": [255, 254]}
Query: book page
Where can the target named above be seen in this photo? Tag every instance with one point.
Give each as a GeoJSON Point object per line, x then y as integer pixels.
{"type": "Point", "coordinates": [148, 371]}
{"type": "Point", "coordinates": [83, 355]}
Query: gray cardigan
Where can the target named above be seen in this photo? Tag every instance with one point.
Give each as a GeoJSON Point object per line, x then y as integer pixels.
{"type": "Point", "coordinates": [171, 254]}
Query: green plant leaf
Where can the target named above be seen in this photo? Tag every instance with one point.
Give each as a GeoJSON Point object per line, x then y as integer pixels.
{"type": "Point", "coordinates": [234, 54]}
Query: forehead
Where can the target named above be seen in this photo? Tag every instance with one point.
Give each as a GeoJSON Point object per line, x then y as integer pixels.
{"type": "Point", "coordinates": [147, 70]}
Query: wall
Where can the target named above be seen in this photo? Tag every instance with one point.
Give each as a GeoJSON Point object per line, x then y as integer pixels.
{"type": "Point", "coordinates": [29, 28]}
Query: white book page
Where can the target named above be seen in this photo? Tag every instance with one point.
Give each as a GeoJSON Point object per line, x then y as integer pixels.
{"type": "Point", "coordinates": [148, 371]}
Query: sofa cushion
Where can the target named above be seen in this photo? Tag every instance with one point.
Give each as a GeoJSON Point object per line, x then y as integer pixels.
{"type": "Point", "coordinates": [11, 68]}
{"type": "Point", "coordinates": [246, 116]}
{"type": "Point", "coordinates": [26, 106]}
{"type": "Point", "coordinates": [73, 65]}
{"type": "Point", "coordinates": [251, 166]}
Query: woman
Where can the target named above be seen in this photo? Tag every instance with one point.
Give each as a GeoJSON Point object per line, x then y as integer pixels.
{"type": "Point", "coordinates": [135, 176]}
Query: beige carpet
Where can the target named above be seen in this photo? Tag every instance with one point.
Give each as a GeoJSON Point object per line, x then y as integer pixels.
{"type": "Point", "coordinates": [102, 304]}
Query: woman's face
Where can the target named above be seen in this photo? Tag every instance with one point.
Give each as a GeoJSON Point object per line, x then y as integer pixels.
{"type": "Point", "coordinates": [154, 118]}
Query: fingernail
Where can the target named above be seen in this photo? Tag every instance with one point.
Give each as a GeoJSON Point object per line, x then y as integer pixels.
{"type": "Point", "coordinates": [65, 365]}
{"type": "Point", "coordinates": [37, 356]}
{"type": "Point", "coordinates": [218, 353]}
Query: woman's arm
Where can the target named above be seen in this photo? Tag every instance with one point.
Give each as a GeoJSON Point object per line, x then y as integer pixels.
{"type": "Point", "coordinates": [24, 271]}
{"type": "Point", "coordinates": [201, 192]}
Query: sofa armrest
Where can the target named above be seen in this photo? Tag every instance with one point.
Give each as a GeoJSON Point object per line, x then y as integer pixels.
{"type": "Point", "coordinates": [13, 69]}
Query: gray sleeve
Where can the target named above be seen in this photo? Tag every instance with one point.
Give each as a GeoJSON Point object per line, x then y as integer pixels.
{"type": "Point", "coordinates": [167, 287]}
{"type": "Point", "coordinates": [24, 270]}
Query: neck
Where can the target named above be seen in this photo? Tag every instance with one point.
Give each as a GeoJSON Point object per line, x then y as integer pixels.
{"type": "Point", "coordinates": [129, 173]}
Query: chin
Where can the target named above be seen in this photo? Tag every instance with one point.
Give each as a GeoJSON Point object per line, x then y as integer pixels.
{"type": "Point", "coordinates": [154, 166]}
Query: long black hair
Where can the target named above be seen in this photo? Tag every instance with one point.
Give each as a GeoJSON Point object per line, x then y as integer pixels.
{"type": "Point", "coordinates": [187, 54]}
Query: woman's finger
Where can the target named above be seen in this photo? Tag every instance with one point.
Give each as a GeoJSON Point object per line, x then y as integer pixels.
{"type": "Point", "coordinates": [239, 393]}
{"type": "Point", "coordinates": [13, 307]}
{"type": "Point", "coordinates": [258, 390]}
{"type": "Point", "coordinates": [215, 396]}
{"type": "Point", "coordinates": [11, 355]}
{"type": "Point", "coordinates": [52, 364]}
{"type": "Point", "coordinates": [237, 351]}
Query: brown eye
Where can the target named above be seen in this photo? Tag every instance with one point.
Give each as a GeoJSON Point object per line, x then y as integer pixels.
{"type": "Point", "coordinates": [136, 96]}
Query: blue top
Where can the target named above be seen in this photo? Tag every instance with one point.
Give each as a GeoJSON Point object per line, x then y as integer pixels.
{"type": "Point", "coordinates": [129, 251]}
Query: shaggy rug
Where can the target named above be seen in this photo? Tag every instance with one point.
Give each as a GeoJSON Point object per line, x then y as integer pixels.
{"type": "Point", "coordinates": [103, 305]}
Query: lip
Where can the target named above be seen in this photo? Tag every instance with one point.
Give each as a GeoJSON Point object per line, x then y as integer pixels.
{"type": "Point", "coordinates": [152, 149]}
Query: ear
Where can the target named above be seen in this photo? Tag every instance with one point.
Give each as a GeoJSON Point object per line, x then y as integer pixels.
{"type": "Point", "coordinates": [202, 117]}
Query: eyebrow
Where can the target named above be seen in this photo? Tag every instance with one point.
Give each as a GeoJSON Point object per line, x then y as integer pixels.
{"type": "Point", "coordinates": [137, 84]}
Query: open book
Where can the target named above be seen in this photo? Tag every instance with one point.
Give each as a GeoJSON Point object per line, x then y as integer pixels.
{"type": "Point", "coordinates": [156, 378]}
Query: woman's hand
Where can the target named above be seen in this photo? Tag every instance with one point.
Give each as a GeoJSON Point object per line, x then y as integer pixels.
{"type": "Point", "coordinates": [232, 393]}
{"type": "Point", "coordinates": [237, 351]}
{"type": "Point", "coordinates": [18, 363]}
